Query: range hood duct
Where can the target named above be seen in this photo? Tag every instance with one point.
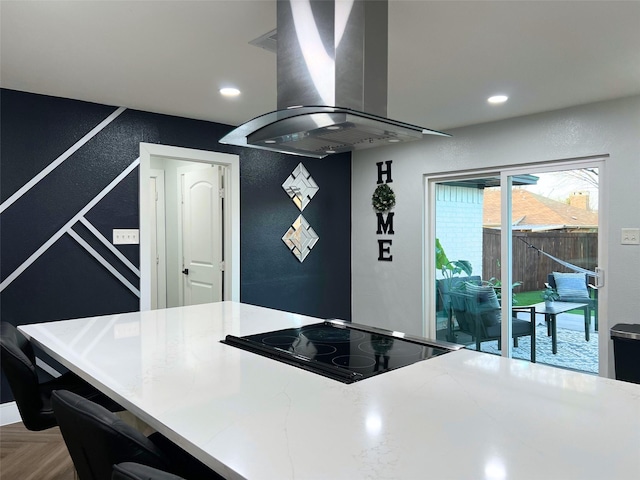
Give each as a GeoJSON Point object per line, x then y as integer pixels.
{"type": "Point", "coordinates": [331, 68]}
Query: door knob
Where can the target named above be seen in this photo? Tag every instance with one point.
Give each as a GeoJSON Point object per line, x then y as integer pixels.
{"type": "Point", "coordinates": [185, 271]}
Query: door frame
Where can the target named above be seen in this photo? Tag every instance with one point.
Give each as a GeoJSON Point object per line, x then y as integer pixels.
{"type": "Point", "coordinates": [161, 271]}
{"type": "Point", "coordinates": [504, 172]}
{"type": "Point", "coordinates": [429, 239]}
{"type": "Point", "coordinates": [231, 214]}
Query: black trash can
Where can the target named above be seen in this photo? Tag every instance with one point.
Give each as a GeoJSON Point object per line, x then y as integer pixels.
{"type": "Point", "coordinates": [626, 351]}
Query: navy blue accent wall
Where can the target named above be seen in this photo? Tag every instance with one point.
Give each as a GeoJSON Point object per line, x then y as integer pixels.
{"type": "Point", "coordinates": [271, 275]}
{"type": "Point", "coordinates": [67, 282]}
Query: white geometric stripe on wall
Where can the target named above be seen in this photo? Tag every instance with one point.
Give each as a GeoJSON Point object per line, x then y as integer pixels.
{"type": "Point", "coordinates": [67, 226]}
{"type": "Point", "coordinates": [300, 238]}
{"type": "Point", "coordinates": [58, 161]}
{"type": "Point", "coordinates": [300, 186]}
{"type": "Point", "coordinates": [103, 262]}
{"type": "Point", "coordinates": [109, 245]}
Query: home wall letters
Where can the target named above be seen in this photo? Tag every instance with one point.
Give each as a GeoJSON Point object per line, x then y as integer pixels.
{"type": "Point", "coordinates": [383, 201]}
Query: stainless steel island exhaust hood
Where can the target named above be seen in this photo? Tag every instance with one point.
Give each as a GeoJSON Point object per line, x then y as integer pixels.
{"type": "Point", "coordinates": [332, 68]}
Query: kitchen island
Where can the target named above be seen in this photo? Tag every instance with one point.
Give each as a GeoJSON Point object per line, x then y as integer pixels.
{"type": "Point", "coordinates": [461, 415]}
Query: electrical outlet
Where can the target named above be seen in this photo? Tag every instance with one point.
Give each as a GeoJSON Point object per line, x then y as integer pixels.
{"type": "Point", "coordinates": [126, 236]}
{"type": "Point", "coordinates": [631, 236]}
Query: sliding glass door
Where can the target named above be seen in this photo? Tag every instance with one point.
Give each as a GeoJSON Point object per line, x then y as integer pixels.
{"type": "Point", "coordinates": [459, 254]}
{"type": "Point", "coordinates": [500, 239]}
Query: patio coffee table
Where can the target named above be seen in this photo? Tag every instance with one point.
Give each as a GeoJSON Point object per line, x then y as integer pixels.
{"type": "Point", "coordinates": [550, 313]}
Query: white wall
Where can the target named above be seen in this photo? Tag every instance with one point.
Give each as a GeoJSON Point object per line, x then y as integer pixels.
{"type": "Point", "coordinates": [459, 224]}
{"type": "Point", "coordinates": [389, 294]}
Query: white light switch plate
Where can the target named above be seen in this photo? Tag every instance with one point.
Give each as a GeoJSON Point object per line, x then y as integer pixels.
{"type": "Point", "coordinates": [126, 236]}
{"type": "Point", "coordinates": [630, 236]}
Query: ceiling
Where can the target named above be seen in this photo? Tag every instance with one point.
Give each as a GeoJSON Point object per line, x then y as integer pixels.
{"type": "Point", "coordinates": [445, 57]}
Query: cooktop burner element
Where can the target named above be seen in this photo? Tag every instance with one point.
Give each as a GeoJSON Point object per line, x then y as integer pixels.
{"type": "Point", "coordinates": [344, 351]}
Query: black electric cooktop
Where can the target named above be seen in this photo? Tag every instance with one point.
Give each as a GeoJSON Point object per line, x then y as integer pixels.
{"type": "Point", "coordinates": [341, 350]}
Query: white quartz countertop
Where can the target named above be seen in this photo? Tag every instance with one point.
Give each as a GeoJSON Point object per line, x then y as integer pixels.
{"type": "Point", "coordinates": [462, 415]}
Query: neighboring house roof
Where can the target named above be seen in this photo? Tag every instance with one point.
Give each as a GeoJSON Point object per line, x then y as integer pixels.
{"type": "Point", "coordinates": [537, 212]}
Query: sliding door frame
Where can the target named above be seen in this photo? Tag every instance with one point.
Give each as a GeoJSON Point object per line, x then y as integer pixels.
{"type": "Point", "coordinates": [429, 239]}
{"type": "Point", "coordinates": [506, 173]}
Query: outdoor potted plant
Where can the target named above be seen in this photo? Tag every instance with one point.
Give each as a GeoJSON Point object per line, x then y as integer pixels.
{"type": "Point", "coordinates": [497, 286]}
{"type": "Point", "coordinates": [549, 295]}
{"type": "Point", "coordinates": [450, 269]}
{"type": "Point", "coordinates": [452, 280]}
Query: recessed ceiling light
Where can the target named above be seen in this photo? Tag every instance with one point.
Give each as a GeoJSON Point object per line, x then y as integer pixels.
{"type": "Point", "coordinates": [330, 151]}
{"type": "Point", "coordinates": [269, 141]}
{"type": "Point", "coordinates": [498, 99]}
{"type": "Point", "coordinates": [229, 92]}
{"type": "Point", "coordinates": [394, 140]}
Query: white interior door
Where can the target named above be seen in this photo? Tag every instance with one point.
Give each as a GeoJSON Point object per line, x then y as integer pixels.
{"type": "Point", "coordinates": [201, 236]}
{"type": "Point", "coordinates": [157, 240]}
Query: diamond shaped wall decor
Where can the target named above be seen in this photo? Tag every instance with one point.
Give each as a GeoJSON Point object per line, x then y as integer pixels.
{"type": "Point", "coordinates": [300, 186]}
{"type": "Point", "coordinates": [300, 238]}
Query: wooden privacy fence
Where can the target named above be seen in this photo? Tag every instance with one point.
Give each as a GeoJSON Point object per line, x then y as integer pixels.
{"type": "Point", "coordinates": [531, 267]}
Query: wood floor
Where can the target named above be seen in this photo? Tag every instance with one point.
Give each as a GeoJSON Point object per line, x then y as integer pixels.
{"type": "Point", "coordinates": [26, 455]}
